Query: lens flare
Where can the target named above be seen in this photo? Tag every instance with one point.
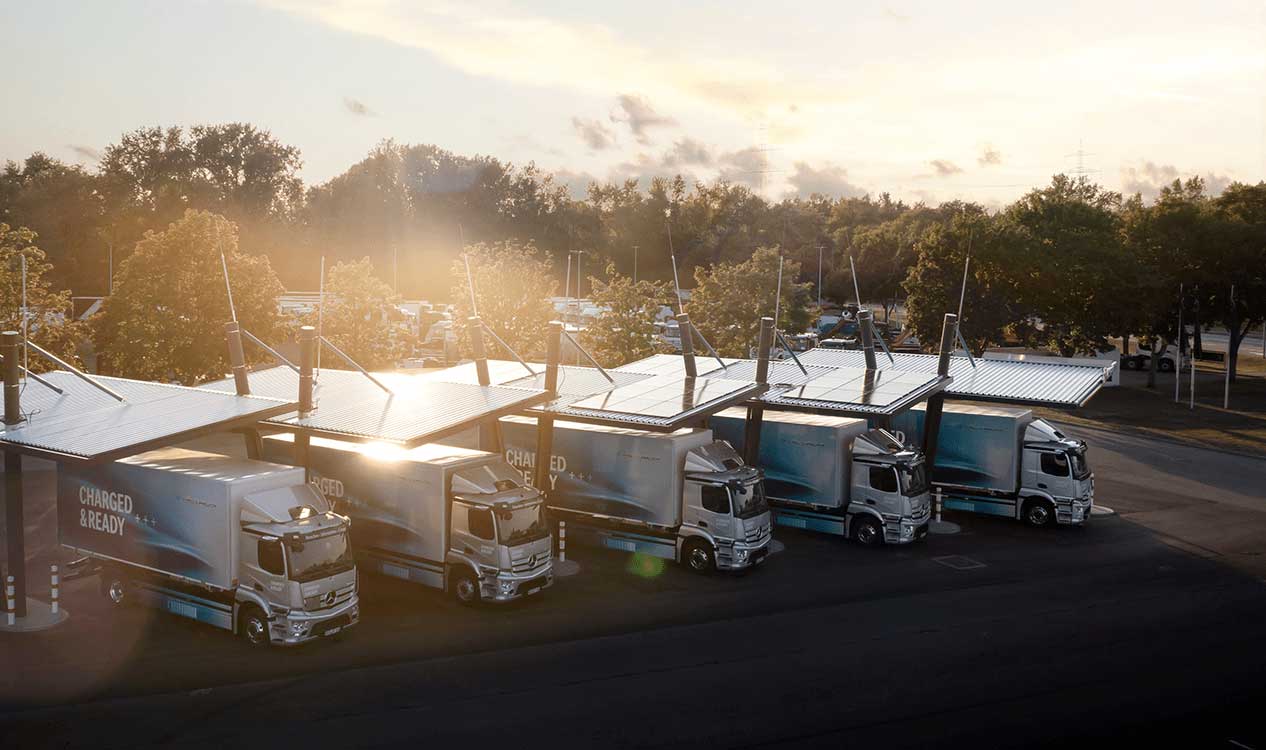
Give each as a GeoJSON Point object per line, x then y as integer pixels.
{"type": "Point", "coordinates": [644, 565]}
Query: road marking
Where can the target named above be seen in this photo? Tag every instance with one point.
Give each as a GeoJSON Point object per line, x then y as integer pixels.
{"type": "Point", "coordinates": [959, 562]}
{"type": "Point", "coordinates": [1239, 744]}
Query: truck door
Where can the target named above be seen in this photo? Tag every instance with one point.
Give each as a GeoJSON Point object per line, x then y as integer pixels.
{"type": "Point", "coordinates": [1054, 474]}
{"type": "Point", "coordinates": [265, 562]}
{"type": "Point", "coordinates": [474, 533]}
{"type": "Point", "coordinates": [714, 512]}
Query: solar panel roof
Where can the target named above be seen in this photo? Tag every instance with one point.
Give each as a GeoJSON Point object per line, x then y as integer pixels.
{"type": "Point", "coordinates": [661, 402]}
{"type": "Point", "coordinates": [859, 391]}
{"type": "Point", "coordinates": [419, 410]}
{"type": "Point", "coordinates": [1006, 381]}
{"type": "Point", "coordinates": [82, 423]}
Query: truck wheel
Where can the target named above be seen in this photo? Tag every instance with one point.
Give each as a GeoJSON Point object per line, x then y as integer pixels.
{"type": "Point", "coordinates": [699, 557]}
{"type": "Point", "coordinates": [1039, 513]}
{"type": "Point", "coordinates": [465, 588]}
{"type": "Point", "coordinates": [115, 589]}
{"type": "Point", "coordinates": [253, 626]}
{"type": "Point", "coordinates": [867, 532]}
{"type": "Point", "coordinates": [1130, 363]}
{"type": "Point", "coordinates": [1165, 366]}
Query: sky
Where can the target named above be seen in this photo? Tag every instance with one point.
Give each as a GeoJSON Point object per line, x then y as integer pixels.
{"type": "Point", "coordinates": [928, 101]}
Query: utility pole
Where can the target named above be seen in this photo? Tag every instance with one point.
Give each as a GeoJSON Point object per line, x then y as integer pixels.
{"type": "Point", "coordinates": [1226, 362]}
{"type": "Point", "coordinates": [819, 278]}
{"type": "Point", "coordinates": [635, 264]}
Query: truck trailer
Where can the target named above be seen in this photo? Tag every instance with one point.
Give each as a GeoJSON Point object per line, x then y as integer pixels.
{"type": "Point", "coordinates": [837, 476]}
{"type": "Point", "coordinates": [1002, 461]}
{"type": "Point", "coordinates": [681, 496]}
{"type": "Point", "coordinates": [242, 545]}
{"type": "Point", "coordinates": [450, 518]}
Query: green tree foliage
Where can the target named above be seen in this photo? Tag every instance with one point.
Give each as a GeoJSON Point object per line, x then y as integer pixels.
{"type": "Point", "coordinates": [49, 318]}
{"type": "Point", "coordinates": [729, 300]}
{"type": "Point", "coordinates": [624, 332]}
{"type": "Point", "coordinates": [361, 318]}
{"type": "Point", "coordinates": [166, 318]}
{"type": "Point", "coordinates": [512, 284]}
{"type": "Point", "coordinates": [993, 305]}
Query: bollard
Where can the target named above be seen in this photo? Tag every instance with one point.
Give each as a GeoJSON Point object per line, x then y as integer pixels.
{"type": "Point", "coordinates": [938, 504]}
{"type": "Point", "coordinates": [9, 605]}
{"type": "Point", "coordinates": [53, 592]}
{"type": "Point", "coordinates": [562, 541]}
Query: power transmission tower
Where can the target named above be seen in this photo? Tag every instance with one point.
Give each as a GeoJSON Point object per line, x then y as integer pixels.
{"type": "Point", "coordinates": [1081, 170]}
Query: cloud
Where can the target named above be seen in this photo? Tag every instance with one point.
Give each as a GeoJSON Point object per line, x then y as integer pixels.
{"type": "Point", "coordinates": [989, 157]}
{"type": "Point", "coordinates": [945, 168]}
{"type": "Point", "coordinates": [577, 183]}
{"type": "Point", "coordinates": [743, 167]}
{"type": "Point", "coordinates": [1147, 178]}
{"type": "Point", "coordinates": [687, 151]}
{"type": "Point", "coordinates": [830, 180]}
{"type": "Point", "coordinates": [85, 152]}
{"type": "Point", "coordinates": [357, 107]}
{"type": "Point", "coordinates": [640, 116]}
{"type": "Point", "coordinates": [596, 136]}
{"type": "Point", "coordinates": [895, 15]}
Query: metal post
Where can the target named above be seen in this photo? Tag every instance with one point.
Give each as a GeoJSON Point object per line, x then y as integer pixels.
{"type": "Point", "coordinates": [756, 414]}
{"type": "Point", "coordinates": [868, 339]}
{"type": "Point", "coordinates": [545, 422]}
{"type": "Point", "coordinates": [1178, 368]}
{"type": "Point", "coordinates": [938, 504]}
{"type": "Point", "coordinates": [562, 541]}
{"type": "Point", "coordinates": [237, 358]}
{"type": "Point", "coordinates": [1226, 362]}
{"type": "Point", "coordinates": [15, 522]}
{"type": "Point", "coordinates": [53, 590]}
{"type": "Point", "coordinates": [936, 404]}
{"type": "Point", "coordinates": [307, 355]}
{"type": "Point", "coordinates": [10, 604]}
{"type": "Point", "coordinates": [687, 345]}
{"type": "Point", "coordinates": [476, 328]}
{"type": "Point", "coordinates": [635, 264]}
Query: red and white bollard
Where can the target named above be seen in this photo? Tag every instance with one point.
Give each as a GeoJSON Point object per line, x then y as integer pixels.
{"type": "Point", "coordinates": [56, 579]}
{"type": "Point", "coordinates": [562, 541]}
{"type": "Point", "coordinates": [938, 504]}
{"type": "Point", "coordinates": [10, 606]}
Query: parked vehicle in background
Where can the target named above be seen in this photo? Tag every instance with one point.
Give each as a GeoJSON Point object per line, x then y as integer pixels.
{"type": "Point", "coordinates": [1002, 461]}
{"type": "Point", "coordinates": [450, 518]}
{"type": "Point", "coordinates": [681, 496]}
{"type": "Point", "coordinates": [242, 545]}
{"type": "Point", "coordinates": [1142, 360]}
{"type": "Point", "coordinates": [837, 476]}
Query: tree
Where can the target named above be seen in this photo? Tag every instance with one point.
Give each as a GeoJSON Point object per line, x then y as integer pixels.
{"type": "Point", "coordinates": [50, 322]}
{"type": "Point", "coordinates": [624, 331]}
{"type": "Point", "coordinates": [1241, 209]}
{"type": "Point", "coordinates": [361, 317]}
{"type": "Point", "coordinates": [729, 299]}
{"type": "Point", "coordinates": [934, 283]}
{"type": "Point", "coordinates": [512, 285]}
{"type": "Point", "coordinates": [166, 318]}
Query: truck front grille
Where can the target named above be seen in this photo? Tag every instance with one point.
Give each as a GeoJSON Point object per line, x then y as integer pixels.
{"type": "Point", "coordinates": [531, 564]}
{"type": "Point", "coordinates": [324, 601]}
{"type": "Point", "coordinates": [755, 533]}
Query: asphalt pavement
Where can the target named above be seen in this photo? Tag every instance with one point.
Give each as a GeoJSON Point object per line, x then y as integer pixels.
{"type": "Point", "coordinates": [1001, 636]}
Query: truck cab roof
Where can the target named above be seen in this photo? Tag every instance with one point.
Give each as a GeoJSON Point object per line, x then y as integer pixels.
{"type": "Point", "coordinates": [283, 510]}
{"type": "Point", "coordinates": [881, 445]}
{"type": "Point", "coordinates": [719, 462]}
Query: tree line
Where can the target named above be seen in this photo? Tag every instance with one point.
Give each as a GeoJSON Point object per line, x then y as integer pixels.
{"type": "Point", "coordinates": [1065, 266]}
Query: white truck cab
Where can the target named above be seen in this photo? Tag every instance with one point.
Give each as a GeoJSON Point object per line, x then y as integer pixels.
{"type": "Point", "coordinates": [889, 499]}
{"type": "Point", "coordinates": [723, 503]}
{"type": "Point", "coordinates": [1055, 469]}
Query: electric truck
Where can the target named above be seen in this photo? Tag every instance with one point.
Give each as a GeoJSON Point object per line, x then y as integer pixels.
{"type": "Point", "coordinates": [1001, 461]}
{"type": "Point", "coordinates": [451, 518]}
{"type": "Point", "coordinates": [835, 475]}
{"type": "Point", "coordinates": [681, 496]}
{"type": "Point", "coordinates": [242, 545]}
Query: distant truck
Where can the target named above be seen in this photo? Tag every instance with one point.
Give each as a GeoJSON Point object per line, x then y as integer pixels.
{"type": "Point", "coordinates": [450, 518]}
{"type": "Point", "coordinates": [1002, 461]}
{"type": "Point", "coordinates": [242, 545]}
{"type": "Point", "coordinates": [681, 496]}
{"type": "Point", "coordinates": [835, 475]}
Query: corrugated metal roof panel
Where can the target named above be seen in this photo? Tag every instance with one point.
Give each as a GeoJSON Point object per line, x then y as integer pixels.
{"type": "Point", "coordinates": [84, 423]}
{"type": "Point", "coordinates": [662, 402]}
{"type": "Point", "coordinates": [419, 409]}
{"type": "Point", "coordinates": [1008, 381]}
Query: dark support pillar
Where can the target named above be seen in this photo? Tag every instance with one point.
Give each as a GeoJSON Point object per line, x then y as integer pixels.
{"type": "Point", "coordinates": [307, 356]}
{"type": "Point", "coordinates": [687, 344]}
{"type": "Point", "coordinates": [545, 423]}
{"type": "Point", "coordinates": [867, 337]}
{"type": "Point", "coordinates": [492, 440]}
{"type": "Point", "coordinates": [936, 404]}
{"type": "Point", "coordinates": [14, 517]}
{"type": "Point", "coordinates": [237, 361]}
{"type": "Point", "coordinates": [756, 414]}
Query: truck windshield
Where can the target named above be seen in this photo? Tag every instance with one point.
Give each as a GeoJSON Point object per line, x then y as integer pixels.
{"type": "Point", "coordinates": [914, 479]}
{"type": "Point", "coordinates": [1078, 460]}
{"type": "Point", "coordinates": [749, 500]}
{"type": "Point", "coordinates": [521, 525]}
{"type": "Point", "coordinates": [321, 556]}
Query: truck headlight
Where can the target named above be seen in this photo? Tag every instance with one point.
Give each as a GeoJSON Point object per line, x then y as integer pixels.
{"type": "Point", "coordinates": [298, 628]}
{"type": "Point", "coordinates": [507, 587]}
{"type": "Point", "coordinates": [740, 555]}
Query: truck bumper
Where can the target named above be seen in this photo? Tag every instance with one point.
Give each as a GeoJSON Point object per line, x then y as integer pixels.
{"type": "Point", "coordinates": [906, 530]}
{"type": "Point", "coordinates": [301, 627]}
{"type": "Point", "coordinates": [743, 555]}
{"type": "Point", "coordinates": [1074, 512]}
{"type": "Point", "coordinates": [508, 588]}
